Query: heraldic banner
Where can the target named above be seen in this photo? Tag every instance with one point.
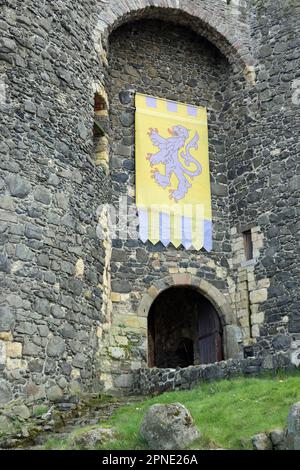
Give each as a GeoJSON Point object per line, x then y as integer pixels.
{"type": "Point", "coordinates": [172, 173]}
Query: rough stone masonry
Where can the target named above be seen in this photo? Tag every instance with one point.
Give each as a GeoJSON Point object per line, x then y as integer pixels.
{"type": "Point", "coordinates": [74, 308]}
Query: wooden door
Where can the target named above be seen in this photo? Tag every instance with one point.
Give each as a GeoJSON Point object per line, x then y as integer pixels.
{"type": "Point", "coordinates": [209, 335]}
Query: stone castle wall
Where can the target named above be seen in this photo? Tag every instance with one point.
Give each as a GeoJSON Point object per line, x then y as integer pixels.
{"type": "Point", "coordinates": [51, 260]}
{"type": "Point", "coordinates": [67, 298]}
{"type": "Point", "coordinates": [151, 381]}
{"type": "Point", "coordinates": [263, 175]}
{"type": "Point", "coordinates": [171, 62]}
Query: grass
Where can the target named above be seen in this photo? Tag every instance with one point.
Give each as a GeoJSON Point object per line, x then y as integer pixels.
{"type": "Point", "coordinates": [228, 412]}
{"type": "Point", "coordinates": [40, 410]}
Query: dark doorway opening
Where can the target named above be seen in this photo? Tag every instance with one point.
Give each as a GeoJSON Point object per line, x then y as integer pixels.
{"type": "Point", "coordinates": [183, 329]}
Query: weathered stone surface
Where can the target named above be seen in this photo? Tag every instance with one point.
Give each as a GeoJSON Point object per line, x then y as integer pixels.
{"type": "Point", "coordinates": [68, 331]}
{"type": "Point", "coordinates": [56, 346]}
{"type": "Point", "coordinates": [95, 437]}
{"type": "Point", "coordinates": [126, 119]}
{"type": "Point", "coordinates": [6, 203]}
{"type": "Point", "coordinates": [30, 349]}
{"type": "Point", "coordinates": [125, 97]}
{"type": "Point", "coordinates": [293, 428]}
{"type": "Point", "coordinates": [47, 134]}
{"type": "Point", "coordinates": [281, 342]}
{"type": "Point", "coordinates": [7, 318]}
{"type": "Point", "coordinates": [54, 393]}
{"type": "Point", "coordinates": [4, 263]}
{"type": "Point", "coordinates": [121, 286]}
{"type": "Point", "coordinates": [168, 427]}
{"type": "Point", "coordinates": [6, 426]}
{"type": "Point", "coordinates": [42, 195]}
{"type": "Point", "coordinates": [277, 437]}
{"type": "Point", "coordinates": [18, 186]}
{"type": "Point", "coordinates": [14, 349]}
{"type": "Point", "coordinates": [262, 442]}
{"type": "Point", "coordinates": [24, 253]}
{"type": "Point", "coordinates": [2, 354]}
{"type": "Point", "coordinates": [152, 380]}
{"type": "Point", "coordinates": [5, 391]}
{"type": "Point", "coordinates": [19, 410]}
{"type": "Point", "coordinates": [258, 296]}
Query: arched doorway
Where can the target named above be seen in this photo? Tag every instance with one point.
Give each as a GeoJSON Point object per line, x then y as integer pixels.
{"type": "Point", "coordinates": [183, 329]}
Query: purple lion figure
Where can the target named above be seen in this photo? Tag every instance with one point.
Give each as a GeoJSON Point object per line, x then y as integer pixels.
{"type": "Point", "coordinates": [168, 155]}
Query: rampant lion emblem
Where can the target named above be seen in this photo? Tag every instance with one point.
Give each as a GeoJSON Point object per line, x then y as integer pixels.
{"type": "Point", "coordinates": [168, 155]}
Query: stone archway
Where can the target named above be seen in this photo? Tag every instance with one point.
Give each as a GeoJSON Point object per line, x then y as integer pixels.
{"type": "Point", "coordinates": [183, 329]}
{"type": "Point", "coordinates": [212, 19]}
{"type": "Point", "coordinates": [231, 347]}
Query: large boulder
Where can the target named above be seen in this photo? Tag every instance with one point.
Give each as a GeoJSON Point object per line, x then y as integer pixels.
{"type": "Point", "coordinates": [293, 428]}
{"type": "Point", "coordinates": [168, 427]}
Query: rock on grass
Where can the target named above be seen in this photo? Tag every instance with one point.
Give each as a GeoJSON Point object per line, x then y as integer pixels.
{"type": "Point", "coordinates": [94, 438]}
{"type": "Point", "coordinates": [168, 427]}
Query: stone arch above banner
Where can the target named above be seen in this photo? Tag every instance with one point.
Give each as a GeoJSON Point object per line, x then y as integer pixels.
{"type": "Point", "coordinates": [232, 333]}
{"type": "Point", "coordinates": [213, 19]}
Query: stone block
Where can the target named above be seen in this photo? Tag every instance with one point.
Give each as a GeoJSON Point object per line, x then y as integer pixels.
{"type": "Point", "coordinates": [145, 306]}
{"type": "Point", "coordinates": [79, 268]}
{"type": "Point", "coordinates": [115, 297]}
{"type": "Point", "coordinates": [173, 270]}
{"type": "Point", "coordinates": [122, 287]}
{"type": "Point", "coordinates": [257, 318]}
{"type": "Point", "coordinates": [153, 292]}
{"type": "Point", "coordinates": [262, 442]}
{"type": "Point", "coordinates": [124, 381]}
{"type": "Point", "coordinates": [182, 279]}
{"type": "Point", "coordinates": [6, 203]}
{"type": "Point", "coordinates": [56, 346]}
{"type": "Point", "coordinates": [75, 388]}
{"type": "Point", "coordinates": [122, 340]}
{"type": "Point", "coordinates": [18, 186]}
{"type": "Point", "coordinates": [7, 318]}
{"type": "Point", "coordinates": [54, 393]}
{"type": "Point", "coordinates": [293, 428]}
{"type": "Point", "coordinates": [14, 350]}
{"type": "Point", "coordinates": [12, 364]}
{"type": "Point", "coordinates": [116, 353]}
{"type": "Point", "coordinates": [258, 296]}
{"type": "Point", "coordinates": [281, 342]}
{"type": "Point", "coordinates": [255, 331]}
{"type": "Point", "coordinates": [2, 353]}
{"type": "Point", "coordinates": [24, 253]}
{"type": "Point", "coordinates": [6, 336]}
{"type": "Point", "coordinates": [5, 391]}
{"type": "Point", "coordinates": [263, 283]}
{"type": "Point", "coordinates": [233, 341]}
{"type": "Point", "coordinates": [134, 321]}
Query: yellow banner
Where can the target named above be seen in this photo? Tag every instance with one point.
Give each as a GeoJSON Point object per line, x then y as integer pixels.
{"type": "Point", "coordinates": [172, 173]}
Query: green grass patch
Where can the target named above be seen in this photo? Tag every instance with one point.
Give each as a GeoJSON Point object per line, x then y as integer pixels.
{"type": "Point", "coordinates": [40, 410]}
{"type": "Point", "coordinates": [228, 412]}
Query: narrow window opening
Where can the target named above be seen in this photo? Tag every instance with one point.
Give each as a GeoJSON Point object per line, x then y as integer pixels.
{"type": "Point", "coordinates": [100, 107]}
{"type": "Point", "coordinates": [100, 131]}
{"type": "Point", "coordinates": [248, 245]}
